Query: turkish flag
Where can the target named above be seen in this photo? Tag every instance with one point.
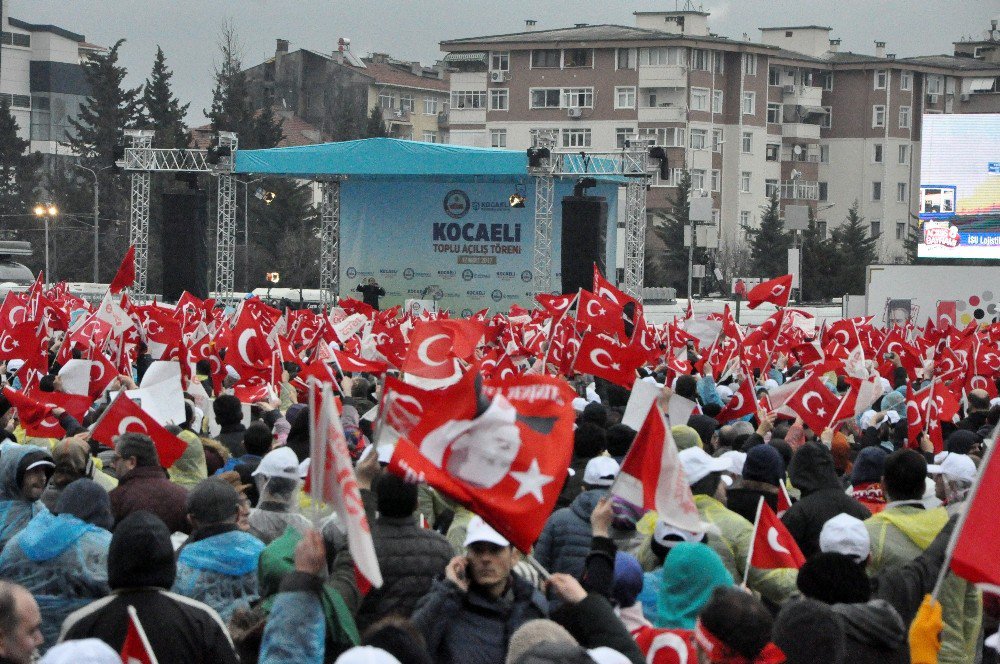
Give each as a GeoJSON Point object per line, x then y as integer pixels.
{"type": "Point", "coordinates": [557, 305]}
{"type": "Point", "coordinates": [20, 341]}
{"type": "Point", "coordinates": [74, 404]}
{"type": "Point", "coordinates": [773, 546]}
{"type": "Point", "coordinates": [355, 363]}
{"type": "Point", "coordinates": [973, 558]}
{"type": "Point", "coordinates": [602, 356]}
{"type": "Point", "coordinates": [775, 291]}
{"type": "Point", "coordinates": [604, 288]}
{"type": "Point", "coordinates": [29, 412]}
{"type": "Point", "coordinates": [947, 314]}
{"type": "Point", "coordinates": [408, 410]}
{"type": "Point", "coordinates": [124, 415]}
{"type": "Point", "coordinates": [784, 500]}
{"type": "Point", "coordinates": [814, 403]}
{"type": "Point", "coordinates": [125, 277]}
{"type": "Point", "coordinates": [508, 462]}
{"type": "Point", "coordinates": [434, 345]}
{"type": "Point", "coordinates": [600, 314]}
{"type": "Point", "coordinates": [136, 649]}
{"type": "Point", "coordinates": [742, 403]}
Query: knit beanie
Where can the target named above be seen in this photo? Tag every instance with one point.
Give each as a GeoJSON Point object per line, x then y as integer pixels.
{"type": "Point", "coordinates": [808, 633]}
{"type": "Point", "coordinates": [868, 465]}
{"type": "Point", "coordinates": [141, 554]}
{"type": "Point", "coordinates": [627, 579]}
{"type": "Point", "coordinates": [764, 464]}
{"type": "Point", "coordinates": [88, 501]}
{"type": "Point", "coordinates": [534, 632]}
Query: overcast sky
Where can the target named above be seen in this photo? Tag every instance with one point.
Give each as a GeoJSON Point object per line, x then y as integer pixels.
{"type": "Point", "coordinates": [188, 30]}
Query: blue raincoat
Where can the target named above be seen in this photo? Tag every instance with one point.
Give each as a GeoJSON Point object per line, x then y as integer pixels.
{"type": "Point", "coordinates": [63, 562]}
{"type": "Point", "coordinates": [15, 511]}
{"type": "Point", "coordinates": [220, 571]}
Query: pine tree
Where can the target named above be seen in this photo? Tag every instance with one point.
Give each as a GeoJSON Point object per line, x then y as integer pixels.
{"type": "Point", "coordinates": [769, 242]}
{"type": "Point", "coordinates": [671, 233]}
{"type": "Point", "coordinates": [108, 111]}
{"type": "Point", "coordinates": [856, 250]}
{"type": "Point", "coordinates": [818, 264]}
{"type": "Point", "coordinates": [282, 236]}
{"type": "Point", "coordinates": [162, 110]}
{"type": "Point", "coordinates": [376, 124]}
{"type": "Point", "coordinates": [18, 170]}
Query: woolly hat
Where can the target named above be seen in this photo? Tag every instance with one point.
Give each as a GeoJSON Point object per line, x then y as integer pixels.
{"type": "Point", "coordinates": [141, 554]}
{"type": "Point", "coordinates": [88, 501]}
{"type": "Point", "coordinates": [534, 632]}
{"type": "Point", "coordinates": [868, 465]}
{"type": "Point", "coordinates": [808, 633]}
{"type": "Point", "coordinates": [764, 464]}
{"type": "Point", "coordinates": [627, 580]}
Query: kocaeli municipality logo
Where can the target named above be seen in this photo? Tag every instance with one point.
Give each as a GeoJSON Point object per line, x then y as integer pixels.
{"type": "Point", "coordinates": [351, 273]}
{"type": "Point", "coordinates": [526, 276]}
{"type": "Point", "coordinates": [466, 313]}
{"type": "Point", "coordinates": [467, 275]}
{"type": "Point", "coordinates": [497, 295]}
{"type": "Point", "coordinates": [408, 273]}
{"type": "Point", "coordinates": [456, 203]}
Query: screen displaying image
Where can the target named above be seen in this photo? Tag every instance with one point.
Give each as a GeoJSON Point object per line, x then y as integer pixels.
{"type": "Point", "coordinates": [959, 204]}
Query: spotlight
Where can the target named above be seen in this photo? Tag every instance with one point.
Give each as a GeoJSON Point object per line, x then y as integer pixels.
{"type": "Point", "coordinates": [516, 201]}
{"type": "Point", "coordinates": [580, 189]}
{"type": "Point", "coordinates": [536, 157]}
{"type": "Point", "coordinates": [266, 196]}
{"type": "Point", "coordinates": [217, 152]}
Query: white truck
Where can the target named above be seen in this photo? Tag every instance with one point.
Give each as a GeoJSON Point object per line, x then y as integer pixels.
{"type": "Point", "coordinates": [919, 292]}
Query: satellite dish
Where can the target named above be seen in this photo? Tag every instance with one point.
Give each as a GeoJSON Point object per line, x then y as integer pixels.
{"type": "Point", "coordinates": [797, 149]}
{"type": "Point", "coordinates": [796, 174]}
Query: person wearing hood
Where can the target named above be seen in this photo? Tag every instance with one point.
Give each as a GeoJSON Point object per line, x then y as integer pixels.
{"type": "Point", "coordinates": [73, 461]}
{"type": "Point", "coordinates": [706, 427]}
{"type": "Point", "coordinates": [229, 416]}
{"type": "Point", "coordinates": [663, 540]}
{"type": "Point", "coordinates": [763, 471]}
{"type": "Point", "coordinates": [734, 627]}
{"type": "Point", "coordinates": [218, 564]}
{"type": "Point", "coordinates": [24, 472]}
{"type": "Point", "coordinates": [279, 484]}
{"type": "Point", "coordinates": [822, 496]}
{"type": "Point", "coordinates": [866, 478]}
{"type": "Point", "coordinates": [954, 475]}
{"type": "Point", "coordinates": [61, 557]}
{"type": "Point", "coordinates": [143, 484]}
{"type": "Point", "coordinates": [141, 569]}
{"type": "Point", "coordinates": [191, 467]}
{"type": "Point", "coordinates": [564, 543]}
{"type": "Point", "coordinates": [903, 530]}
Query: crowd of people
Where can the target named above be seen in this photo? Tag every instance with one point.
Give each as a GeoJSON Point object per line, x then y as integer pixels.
{"type": "Point", "coordinates": [223, 556]}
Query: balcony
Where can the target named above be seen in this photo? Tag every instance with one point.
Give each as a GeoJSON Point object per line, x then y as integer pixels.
{"type": "Point", "coordinates": [663, 113]}
{"type": "Point", "coordinates": [468, 80]}
{"type": "Point", "coordinates": [443, 119]}
{"type": "Point", "coordinates": [802, 95]}
{"type": "Point", "coordinates": [661, 76]}
{"type": "Point", "coordinates": [800, 130]}
{"type": "Point", "coordinates": [467, 116]}
{"type": "Point", "coordinates": [799, 190]}
{"type": "Point", "coordinates": [806, 155]}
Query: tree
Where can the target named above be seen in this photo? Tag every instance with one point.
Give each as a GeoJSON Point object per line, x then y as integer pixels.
{"type": "Point", "coordinates": [283, 236]}
{"type": "Point", "coordinates": [162, 110]}
{"type": "Point", "coordinates": [108, 110]}
{"type": "Point", "coordinates": [18, 170]}
{"type": "Point", "coordinates": [376, 124]}
{"type": "Point", "coordinates": [818, 262]}
{"type": "Point", "coordinates": [670, 232]}
{"type": "Point", "coordinates": [856, 250]}
{"type": "Point", "coordinates": [769, 242]}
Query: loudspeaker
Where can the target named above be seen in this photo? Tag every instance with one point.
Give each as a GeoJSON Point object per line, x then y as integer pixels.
{"type": "Point", "coordinates": [584, 240]}
{"type": "Point", "coordinates": [185, 250]}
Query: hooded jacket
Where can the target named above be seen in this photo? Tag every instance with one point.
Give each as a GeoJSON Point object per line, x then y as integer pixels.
{"type": "Point", "coordinates": [15, 511]}
{"type": "Point", "coordinates": [564, 543]}
{"type": "Point", "coordinates": [813, 474]}
{"type": "Point", "coordinates": [147, 488]}
{"type": "Point", "coordinates": [220, 571]}
{"type": "Point", "coordinates": [873, 633]}
{"type": "Point", "coordinates": [140, 568]}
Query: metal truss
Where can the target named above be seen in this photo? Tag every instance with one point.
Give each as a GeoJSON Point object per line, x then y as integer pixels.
{"type": "Point", "coordinates": [171, 161]}
{"type": "Point", "coordinates": [138, 229]}
{"type": "Point", "coordinates": [541, 262]}
{"type": "Point", "coordinates": [225, 227]}
{"type": "Point", "coordinates": [329, 248]}
{"type": "Point", "coordinates": [635, 221]}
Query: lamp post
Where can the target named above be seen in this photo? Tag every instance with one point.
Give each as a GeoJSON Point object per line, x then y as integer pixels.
{"type": "Point", "coordinates": [45, 212]}
{"type": "Point", "coordinates": [97, 193]}
{"type": "Point", "coordinates": [246, 231]}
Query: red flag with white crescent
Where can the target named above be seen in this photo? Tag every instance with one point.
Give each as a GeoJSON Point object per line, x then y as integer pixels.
{"type": "Point", "coordinates": [124, 415]}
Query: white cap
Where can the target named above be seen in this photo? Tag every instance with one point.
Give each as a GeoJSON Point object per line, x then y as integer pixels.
{"type": "Point", "coordinates": [601, 471]}
{"type": "Point", "coordinates": [697, 465]}
{"type": "Point", "coordinates": [847, 535]}
{"type": "Point", "coordinates": [281, 462]}
{"type": "Point", "coordinates": [41, 463]}
{"type": "Point", "coordinates": [14, 365]}
{"type": "Point", "coordinates": [480, 531]}
{"type": "Point", "coordinates": [736, 460]}
{"type": "Point", "coordinates": [993, 641]}
{"type": "Point", "coordinates": [579, 404]}
{"type": "Point", "coordinates": [81, 651]}
{"type": "Point", "coordinates": [666, 535]}
{"type": "Point", "coordinates": [724, 391]}
{"type": "Point", "coordinates": [953, 466]}
{"type": "Point", "coordinates": [366, 655]}
{"type": "Point", "coordinates": [893, 417]}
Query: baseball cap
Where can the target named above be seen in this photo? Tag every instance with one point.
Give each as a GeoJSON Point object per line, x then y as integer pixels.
{"type": "Point", "coordinates": [600, 471]}
{"type": "Point", "coordinates": [480, 531]}
{"type": "Point", "coordinates": [953, 466]}
{"type": "Point", "coordinates": [41, 463]}
{"type": "Point", "coordinates": [846, 535]}
{"type": "Point", "coordinates": [668, 536]}
{"type": "Point", "coordinates": [697, 465]}
{"type": "Point", "coordinates": [281, 462]}
{"type": "Point", "coordinates": [736, 460]}
{"type": "Point", "coordinates": [14, 365]}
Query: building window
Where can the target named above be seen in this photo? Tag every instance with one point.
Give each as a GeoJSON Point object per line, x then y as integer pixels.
{"type": "Point", "coordinates": [430, 137]}
{"type": "Point", "coordinates": [578, 97]}
{"type": "Point", "coordinates": [716, 101]}
{"type": "Point", "coordinates": [661, 56]}
{"type": "Point", "coordinates": [699, 139]}
{"type": "Point", "coordinates": [900, 192]}
{"type": "Point", "coordinates": [624, 97]}
{"type": "Point", "coordinates": [878, 116]}
{"type": "Point", "coordinates": [876, 228]}
{"type": "Point", "coordinates": [744, 218]}
{"type": "Point", "coordinates": [824, 154]}
{"type": "Point", "coordinates": [906, 80]}
{"type": "Point", "coordinates": [463, 99]}
{"type": "Point", "coordinates": [881, 76]}
{"type": "Point", "coordinates": [15, 39]}
{"type": "Point", "coordinates": [774, 113]}
{"type": "Point", "coordinates": [824, 188]}
{"type": "Point", "coordinates": [770, 187]}
{"type": "Point", "coordinates": [699, 99]}
{"type": "Point", "coordinates": [746, 144]}
{"type": "Point", "coordinates": [700, 59]}
{"type": "Point", "coordinates": [626, 58]}
{"type": "Point", "coordinates": [498, 138]}
{"type": "Point", "coordinates": [904, 117]}
{"type": "Point", "coordinates": [827, 121]}
{"type": "Point", "coordinates": [430, 106]}
{"type": "Point", "coordinates": [773, 76]}
{"type": "Point", "coordinates": [406, 103]}
{"type": "Point", "coordinates": [877, 153]}
{"type": "Point", "coordinates": [500, 61]}
{"type": "Point", "coordinates": [716, 217]}
{"type": "Point", "coordinates": [387, 101]}
{"type": "Point", "coordinates": [876, 191]}
{"type": "Point", "coordinates": [698, 179]}
{"type": "Point", "coordinates": [749, 103]}
{"type": "Point", "coordinates": [772, 152]}
{"type": "Point", "coordinates": [17, 101]}
{"type": "Point", "coordinates": [717, 140]}
{"type": "Point", "coordinates": [546, 58]}
{"type": "Point", "coordinates": [500, 99]}
{"type": "Point", "coordinates": [576, 138]}
{"type": "Point", "coordinates": [900, 230]}
{"type": "Point", "coordinates": [904, 154]}
{"type": "Point", "coordinates": [934, 84]}
{"type": "Point", "coordinates": [750, 64]}
{"type": "Point", "coordinates": [578, 57]}
{"type": "Point", "coordinates": [621, 135]}
{"type": "Point", "coordinates": [546, 97]}
{"type": "Point", "coordinates": [828, 80]}
{"type": "Point", "coordinates": [672, 137]}
{"type": "Point", "coordinates": [745, 182]}
{"type": "Point", "coordinates": [716, 179]}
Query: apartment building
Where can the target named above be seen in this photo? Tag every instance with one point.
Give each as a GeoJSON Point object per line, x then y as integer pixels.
{"type": "Point", "coordinates": [42, 79]}
{"type": "Point", "coordinates": [790, 113]}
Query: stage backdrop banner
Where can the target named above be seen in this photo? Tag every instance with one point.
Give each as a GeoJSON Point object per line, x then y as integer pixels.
{"type": "Point", "coordinates": [458, 242]}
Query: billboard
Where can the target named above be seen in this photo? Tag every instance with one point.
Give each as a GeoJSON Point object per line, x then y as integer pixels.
{"type": "Point", "coordinates": [959, 204]}
{"type": "Point", "coordinates": [459, 242]}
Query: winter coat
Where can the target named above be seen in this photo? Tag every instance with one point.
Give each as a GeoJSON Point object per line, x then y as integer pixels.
{"type": "Point", "coordinates": [410, 557]}
{"type": "Point", "coordinates": [873, 633]}
{"type": "Point", "coordinates": [231, 436]}
{"type": "Point", "coordinates": [744, 497]}
{"type": "Point", "coordinates": [823, 497]}
{"type": "Point", "coordinates": [147, 488]}
{"type": "Point", "coordinates": [15, 511]}
{"type": "Point", "coordinates": [733, 546]}
{"type": "Point", "coordinates": [898, 535]}
{"type": "Point", "coordinates": [574, 483]}
{"type": "Point", "coordinates": [472, 628]}
{"type": "Point", "coordinates": [295, 632]}
{"type": "Point", "coordinates": [220, 571]}
{"type": "Point", "coordinates": [565, 541]}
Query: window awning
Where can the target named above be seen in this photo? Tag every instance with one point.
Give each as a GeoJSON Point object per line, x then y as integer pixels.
{"type": "Point", "coordinates": [977, 84]}
{"type": "Point", "coordinates": [466, 56]}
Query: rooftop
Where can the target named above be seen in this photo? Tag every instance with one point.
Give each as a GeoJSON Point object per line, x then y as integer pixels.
{"type": "Point", "coordinates": [35, 27]}
{"type": "Point", "coordinates": [952, 62]}
{"type": "Point", "coordinates": [390, 74]}
{"type": "Point", "coordinates": [798, 27]}
{"type": "Point", "coordinates": [583, 33]}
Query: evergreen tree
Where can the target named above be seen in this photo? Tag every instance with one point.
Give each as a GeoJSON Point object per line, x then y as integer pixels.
{"type": "Point", "coordinates": [162, 110]}
{"type": "Point", "coordinates": [856, 250]}
{"type": "Point", "coordinates": [108, 111]}
{"type": "Point", "coordinates": [18, 170]}
{"type": "Point", "coordinates": [282, 237]}
{"type": "Point", "coordinates": [346, 116]}
{"type": "Point", "coordinates": [910, 242]}
{"type": "Point", "coordinates": [818, 264]}
{"type": "Point", "coordinates": [376, 124]}
{"type": "Point", "coordinates": [769, 242]}
{"type": "Point", "coordinates": [671, 233]}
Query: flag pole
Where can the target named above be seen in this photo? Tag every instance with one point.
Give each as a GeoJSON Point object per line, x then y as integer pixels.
{"type": "Point", "coordinates": [552, 331]}
{"type": "Point", "coordinates": [963, 514]}
{"type": "Point", "coordinates": [315, 456]}
{"type": "Point", "coordinates": [134, 617]}
{"type": "Point", "coordinates": [537, 566]}
{"type": "Point", "coordinates": [756, 524]}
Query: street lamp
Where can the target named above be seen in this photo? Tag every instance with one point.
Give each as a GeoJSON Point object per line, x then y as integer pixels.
{"type": "Point", "coordinates": [46, 211]}
{"type": "Point", "coordinates": [97, 193]}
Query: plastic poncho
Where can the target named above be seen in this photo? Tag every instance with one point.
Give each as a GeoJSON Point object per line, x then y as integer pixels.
{"type": "Point", "coordinates": [62, 561]}
{"type": "Point", "coordinates": [191, 467]}
{"type": "Point", "coordinates": [220, 571]}
{"type": "Point", "coordinates": [691, 572]}
{"type": "Point", "coordinates": [277, 508]}
{"type": "Point", "coordinates": [15, 511]}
